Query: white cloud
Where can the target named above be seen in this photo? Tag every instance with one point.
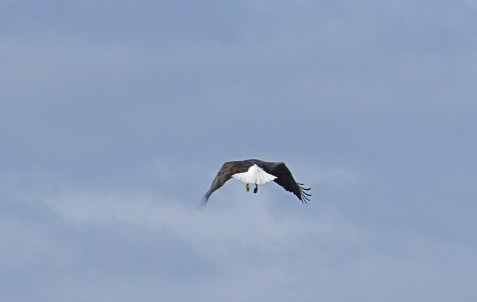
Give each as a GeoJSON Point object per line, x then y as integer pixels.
{"type": "Point", "coordinates": [259, 244]}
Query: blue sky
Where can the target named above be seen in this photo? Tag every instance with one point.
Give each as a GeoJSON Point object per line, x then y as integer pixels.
{"type": "Point", "coordinates": [115, 117]}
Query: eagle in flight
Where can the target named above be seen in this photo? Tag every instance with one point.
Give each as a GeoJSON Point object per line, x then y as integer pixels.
{"type": "Point", "coordinates": [258, 172]}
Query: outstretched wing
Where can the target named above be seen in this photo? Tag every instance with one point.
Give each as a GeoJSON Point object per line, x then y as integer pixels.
{"type": "Point", "coordinates": [286, 180]}
{"type": "Point", "coordinates": [225, 174]}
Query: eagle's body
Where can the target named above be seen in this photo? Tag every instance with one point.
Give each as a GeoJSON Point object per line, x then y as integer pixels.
{"type": "Point", "coordinates": [258, 172]}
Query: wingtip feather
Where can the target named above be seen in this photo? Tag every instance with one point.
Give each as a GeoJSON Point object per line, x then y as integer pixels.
{"type": "Point", "coordinates": [203, 202]}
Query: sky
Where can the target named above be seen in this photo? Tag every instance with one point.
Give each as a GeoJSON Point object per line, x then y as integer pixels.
{"type": "Point", "coordinates": [115, 117]}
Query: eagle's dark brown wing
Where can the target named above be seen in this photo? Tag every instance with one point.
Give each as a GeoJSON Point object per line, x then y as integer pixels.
{"type": "Point", "coordinates": [286, 180]}
{"type": "Point", "coordinates": [225, 173]}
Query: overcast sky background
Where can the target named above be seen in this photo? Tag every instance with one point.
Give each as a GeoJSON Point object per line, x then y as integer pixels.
{"type": "Point", "coordinates": [116, 115]}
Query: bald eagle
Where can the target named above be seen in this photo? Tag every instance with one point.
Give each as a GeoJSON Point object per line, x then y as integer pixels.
{"type": "Point", "coordinates": [254, 171]}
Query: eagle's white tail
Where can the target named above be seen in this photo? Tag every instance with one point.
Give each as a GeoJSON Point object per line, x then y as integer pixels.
{"type": "Point", "coordinates": [254, 175]}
